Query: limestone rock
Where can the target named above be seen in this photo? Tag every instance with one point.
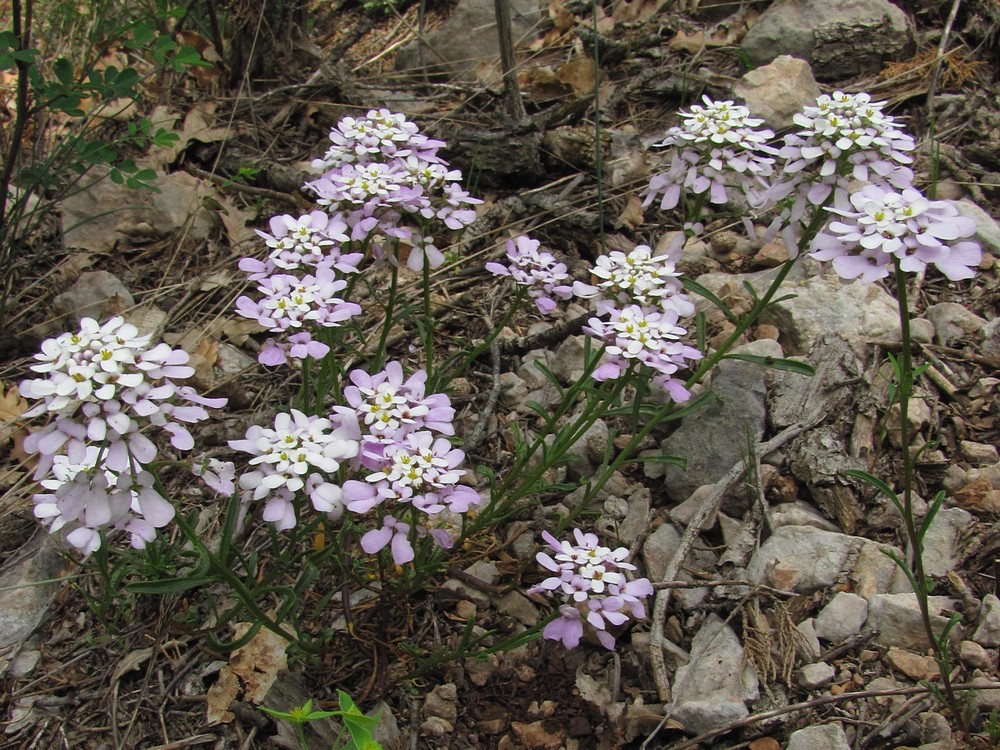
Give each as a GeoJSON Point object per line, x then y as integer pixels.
{"type": "Point", "coordinates": [842, 617]}
{"type": "Point", "coordinates": [709, 439]}
{"type": "Point", "coordinates": [952, 322]}
{"type": "Point", "coordinates": [897, 618]}
{"type": "Point", "coordinates": [819, 737]}
{"type": "Point", "coordinates": [942, 543]}
{"type": "Point", "coordinates": [778, 90]}
{"type": "Point", "coordinates": [805, 559]}
{"type": "Point", "coordinates": [467, 39]}
{"type": "Point", "coordinates": [858, 312]}
{"type": "Point", "coordinates": [710, 691]}
{"type": "Point", "coordinates": [988, 632]}
{"type": "Point", "coordinates": [816, 676]}
{"type": "Point", "coordinates": [840, 38]}
{"type": "Point", "coordinates": [96, 294]}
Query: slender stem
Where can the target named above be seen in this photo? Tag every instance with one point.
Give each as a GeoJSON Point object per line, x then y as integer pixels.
{"type": "Point", "coordinates": [222, 570]}
{"type": "Point", "coordinates": [904, 391]}
{"type": "Point", "coordinates": [598, 153]}
{"type": "Point", "coordinates": [389, 309]}
{"type": "Point", "coordinates": [428, 321]}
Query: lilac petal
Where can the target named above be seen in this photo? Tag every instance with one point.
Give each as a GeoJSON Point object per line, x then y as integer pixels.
{"type": "Point", "coordinates": [376, 539]}
{"type": "Point", "coordinates": [402, 551]}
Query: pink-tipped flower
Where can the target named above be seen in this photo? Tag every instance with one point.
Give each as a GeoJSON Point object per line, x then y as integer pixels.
{"type": "Point", "coordinates": [906, 227]}
{"type": "Point", "coordinates": [390, 405]}
{"type": "Point", "coordinates": [637, 278]}
{"type": "Point", "coordinates": [104, 385]}
{"type": "Point", "coordinates": [536, 270]}
{"type": "Point", "coordinates": [634, 336]}
{"type": "Point", "coordinates": [301, 453]}
{"type": "Point", "coordinates": [591, 580]}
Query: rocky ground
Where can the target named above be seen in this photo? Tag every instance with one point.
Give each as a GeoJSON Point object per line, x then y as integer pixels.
{"type": "Point", "coordinates": [785, 625]}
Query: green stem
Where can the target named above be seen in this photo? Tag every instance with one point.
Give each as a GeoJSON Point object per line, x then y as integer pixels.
{"type": "Point", "coordinates": [428, 321]}
{"type": "Point", "coordinates": [242, 593]}
{"type": "Point", "coordinates": [942, 651]}
{"type": "Point", "coordinates": [390, 303]}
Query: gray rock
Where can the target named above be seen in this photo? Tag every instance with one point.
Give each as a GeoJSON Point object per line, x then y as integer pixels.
{"type": "Point", "coordinates": [710, 691]}
{"type": "Point", "coordinates": [442, 701]}
{"type": "Point", "coordinates": [934, 728]}
{"type": "Point", "coordinates": [897, 618]}
{"type": "Point", "coordinates": [481, 570]}
{"type": "Point", "coordinates": [952, 322]}
{"type": "Point", "coordinates": [657, 551]}
{"type": "Point", "coordinates": [804, 559]}
{"type": "Point", "coordinates": [518, 606]}
{"type": "Point", "coordinates": [807, 646]}
{"type": "Point", "coordinates": [840, 38]}
{"type": "Point", "coordinates": [567, 364]}
{"type": "Point", "coordinates": [942, 552]}
{"type": "Point", "coordinates": [842, 617]}
{"type": "Point", "coordinates": [974, 655]}
{"type": "Point", "coordinates": [636, 517]}
{"type": "Point", "coordinates": [800, 513]}
{"type": "Point", "coordinates": [719, 435]}
{"type": "Point", "coordinates": [816, 676]}
{"type": "Point", "coordinates": [529, 372]}
{"type": "Point", "coordinates": [824, 305]}
{"type": "Point", "coordinates": [988, 631]}
{"type": "Point", "coordinates": [96, 294]}
{"type": "Point", "coordinates": [467, 39]}
{"type": "Point", "coordinates": [513, 391]}
{"type": "Point", "coordinates": [778, 90]}
{"type": "Point", "coordinates": [987, 229]}
{"type": "Point", "coordinates": [978, 454]}
{"type": "Point", "coordinates": [991, 338]}
{"type": "Point", "coordinates": [819, 737]}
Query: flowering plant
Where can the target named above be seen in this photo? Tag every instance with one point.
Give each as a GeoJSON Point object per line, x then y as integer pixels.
{"type": "Point", "coordinates": [592, 582]}
{"type": "Point", "coordinates": [103, 385]}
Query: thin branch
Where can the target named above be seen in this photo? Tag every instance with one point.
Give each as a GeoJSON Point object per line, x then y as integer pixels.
{"type": "Point", "coordinates": [707, 509]}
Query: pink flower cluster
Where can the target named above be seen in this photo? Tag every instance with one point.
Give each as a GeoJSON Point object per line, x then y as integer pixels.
{"type": "Point", "coordinates": [103, 385]}
{"type": "Point", "coordinates": [884, 225]}
{"type": "Point", "coordinates": [406, 466]}
{"type": "Point", "coordinates": [537, 270]}
{"type": "Point", "coordinates": [640, 303]}
{"type": "Point", "coordinates": [387, 183]}
{"type": "Point", "coordinates": [293, 305]}
{"type": "Point", "coordinates": [301, 452]}
{"type": "Point", "coordinates": [387, 439]}
{"type": "Point", "coordinates": [592, 582]}
{"type": "Point", "coordinates": [717, 151]}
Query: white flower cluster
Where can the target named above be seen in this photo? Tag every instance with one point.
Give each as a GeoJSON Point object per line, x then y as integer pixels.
{"type": "Point", "coordinates": [103, 384]}
{"type": "Point", "coordinates": [299, 453]}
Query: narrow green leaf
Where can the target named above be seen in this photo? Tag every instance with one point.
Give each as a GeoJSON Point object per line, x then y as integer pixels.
{"type": "Point", "coordinates": [777, 363]}
{"type": "Point", "coordinates": [701, 291]}
{"type": "Point", "coordinates": [169, 585]}
{"type": "Point", "coordinates": [873, 481]}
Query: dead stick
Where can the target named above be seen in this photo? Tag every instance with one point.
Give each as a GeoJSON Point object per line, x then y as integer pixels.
{"type": "Point", "coordinates": [507, 61]}
{"type": "Point", "coordinates": [707, 509]}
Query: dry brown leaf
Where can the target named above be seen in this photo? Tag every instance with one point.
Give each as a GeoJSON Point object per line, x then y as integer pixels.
{"type": "Point", "coordinates": [238, 330]}
{"type": "Point", "coordinates": [236, 221]}
{"type": "Point", "coordinates": [631, 215]}
{"type": "Point", "coordinates": [541, 84]}
{"type": "Point", "coordinates": [203, 360]}
{"type": "Point", "coordinates": [198, 126]}
{"type": "Point", "coordinates": [688, 41]}
{"type": "Point", "coordinates": [695, 41]}
{"type": "Point", "coordinates": [562, 19]}
{"type": "Point", "coordinates": [252, 670]}
{"type": "Point", "coordinates": [635, 10]}
{"type": "Point", "coordinates": [578, 73]}
{"type": "Point", "coordinates": [12, 406]}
